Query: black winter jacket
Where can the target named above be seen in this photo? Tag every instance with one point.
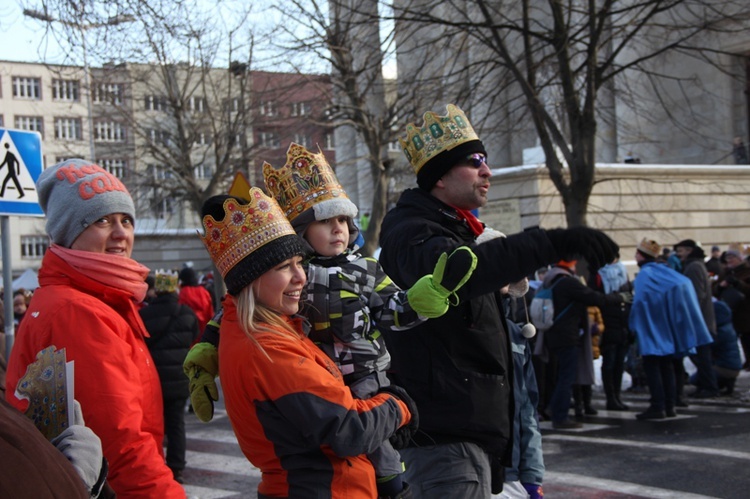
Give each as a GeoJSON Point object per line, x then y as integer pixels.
{"type": "Point", "coordinates": [570, 291]}
{"type": "Point", "coordinates": [173, 328]}
{"type": "Point", "coordinates": [458, 368]}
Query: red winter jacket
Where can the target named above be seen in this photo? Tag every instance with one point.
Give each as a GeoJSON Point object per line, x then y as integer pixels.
{"type": "Point", "coordinates": [115, 379]}
{"type": "Point", "coordinates": [296, 420]}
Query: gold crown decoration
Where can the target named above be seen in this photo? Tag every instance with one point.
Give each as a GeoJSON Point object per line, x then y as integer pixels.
{"type": "Point", "coordinates": [437, 134]}
{"type": "Point", "coordinates": [649, 247]}
{"type": "Point", "coordinates": [739, 249]}
{"type": "Point", "coordinates": [244, 229]}
{"type": "Point", "coordinates": [165, 281]}
{"type": "Point", "coordinates": [304, 181]}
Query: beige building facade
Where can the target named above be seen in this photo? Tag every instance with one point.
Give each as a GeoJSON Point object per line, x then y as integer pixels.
{"type": "Point", "coordinates": [666, 203]}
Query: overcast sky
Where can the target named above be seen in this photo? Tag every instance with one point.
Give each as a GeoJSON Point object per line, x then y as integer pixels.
{"type": "Point", "coordinates": [20, 38]}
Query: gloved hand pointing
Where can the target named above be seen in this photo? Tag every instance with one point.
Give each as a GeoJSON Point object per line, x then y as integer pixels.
{"type": "Point", "coordinates": [593, 245]}
{"type": "Point", "coordinates": [431, 295]}
{"type": "Point", "coordinates": [201, 367]}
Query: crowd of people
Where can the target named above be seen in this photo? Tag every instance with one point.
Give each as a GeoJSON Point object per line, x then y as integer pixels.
{"type": "Point", "coordinates": [417, 375]}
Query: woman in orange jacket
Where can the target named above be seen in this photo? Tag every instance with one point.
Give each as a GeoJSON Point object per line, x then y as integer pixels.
{"type": "Point", "coordinates": [293, 416]}
{"type": "Point", "coordinates": [87, 303]}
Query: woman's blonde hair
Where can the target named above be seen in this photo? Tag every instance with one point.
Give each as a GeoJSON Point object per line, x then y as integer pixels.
{"type": "Point", "coordinates": [255, 317]}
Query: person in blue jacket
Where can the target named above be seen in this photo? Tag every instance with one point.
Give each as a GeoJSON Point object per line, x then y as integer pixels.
{"type": "Point", "coordinates": [725, 352]}
{"type": "Point", "coordinates": [667, 322]}
{"type": "Point", "coordinates": [525, 476]}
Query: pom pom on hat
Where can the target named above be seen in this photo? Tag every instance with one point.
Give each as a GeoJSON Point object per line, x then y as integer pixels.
{"type": "Point", "coordinates": [76, 193]}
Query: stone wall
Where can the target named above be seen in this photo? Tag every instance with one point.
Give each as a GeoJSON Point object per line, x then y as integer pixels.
{"type": "Point", "coordinates": [667, 203]}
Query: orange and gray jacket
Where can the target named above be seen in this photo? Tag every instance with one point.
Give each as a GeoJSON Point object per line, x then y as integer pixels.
{"type": "Point", "coordinates": [295, 419]}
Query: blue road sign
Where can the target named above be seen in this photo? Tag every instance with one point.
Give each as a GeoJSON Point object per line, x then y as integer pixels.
{"type": "Point", "coordinates": [20, 166]}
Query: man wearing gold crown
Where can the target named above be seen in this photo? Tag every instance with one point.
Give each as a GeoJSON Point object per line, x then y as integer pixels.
{"type": "Point", "coordinates": [458, 367]}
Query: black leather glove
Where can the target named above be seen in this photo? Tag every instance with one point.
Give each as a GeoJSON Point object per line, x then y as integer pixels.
{"type": "Point", "coordinates": [401, 438]}
{"type": "Point", "coordinates": [593, 245]}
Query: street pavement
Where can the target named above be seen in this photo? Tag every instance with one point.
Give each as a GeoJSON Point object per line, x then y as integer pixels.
{"type": "Point", "coordinates": [703, 453]}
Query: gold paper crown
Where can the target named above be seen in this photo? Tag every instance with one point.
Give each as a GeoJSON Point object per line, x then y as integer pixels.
{"type": "Point", "coordinates": [437, 134]}
{"type": "Point", "coordinates": [245, 229]}
{"type": "Point", "coordinates": [649, 247]}
{"type": "Point", "coordinates": [305, 180]}
{"type": "Point", "coordinates": [165, 281]}
{"type": "Point", "coordinates": [741, 249]}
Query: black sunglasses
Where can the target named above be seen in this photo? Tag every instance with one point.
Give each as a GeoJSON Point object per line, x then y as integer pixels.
{"type": "Point", "coordinates": [476, 160]}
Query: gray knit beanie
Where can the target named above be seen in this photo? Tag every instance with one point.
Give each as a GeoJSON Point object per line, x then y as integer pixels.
{"type": "Point", "coordinates": [76, 193]}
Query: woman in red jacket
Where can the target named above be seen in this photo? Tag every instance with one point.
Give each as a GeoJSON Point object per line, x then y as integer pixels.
{"type": "Point", "coordinates": [87, 303]}
{"type": "Point", "coordinates": [293, 416]}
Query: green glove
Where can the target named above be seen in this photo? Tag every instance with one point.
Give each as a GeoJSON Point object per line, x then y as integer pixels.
{"type": "Point", "coordinates": [431, 295]}
{"type": "Point", "coordinates": [201, 367]}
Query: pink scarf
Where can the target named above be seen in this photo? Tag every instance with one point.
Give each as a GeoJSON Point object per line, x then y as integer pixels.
{"type": "Point", "coordinates": [114, 271]}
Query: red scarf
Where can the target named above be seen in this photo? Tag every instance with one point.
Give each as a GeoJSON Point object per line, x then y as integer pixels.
{"type": "Point", "coordinates": [473, 222]}
{"type": "Point", "coordinates": [115, 271]}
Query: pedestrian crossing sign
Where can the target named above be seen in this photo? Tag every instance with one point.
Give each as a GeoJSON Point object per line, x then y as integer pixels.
{"type": "Point", "coordinates": [20, 166]}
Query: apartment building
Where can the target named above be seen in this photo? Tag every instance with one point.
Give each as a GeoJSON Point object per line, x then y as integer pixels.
{"type": "Point", "coordinates": [175, 136]}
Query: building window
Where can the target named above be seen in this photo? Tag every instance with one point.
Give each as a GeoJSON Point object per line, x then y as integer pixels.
{"type": "Point", "coordinates": [27, 88]}
{"type": "Point", "coordinates": [160, 137]}
{"type": "Point", "coordinates": [155, 103]}
{"type": "Point", "coordinates": [117, 167]}
{"type": "Point", "coordinates": [68, 129]}
{"type": "Point", "coordinates": [330, 142]}
{"type": "Point", "coordinates": [268, 108]}
{"type": "Point", "coordinates": [233, 105]}
{"type": "Point", "coordinates": [66, 90]}
{"type": "Point", "coordinates": [202, 138]}
{"type": "Point", "coordinates": [159, 172]}
{"type": "Point", "coordinates": [197, 104]}
{"type": "Point", "coordinates": [33, 247]}
{"type": "Point", "coordinates": [30, 123]}
{"type": "Point", "coordinates": [109, 131]}
{"type": "Point", "coordinates": [203, 171]}
{"type": "Point", "coordinates": [300, 108]}
{"type": "Point", "coordinates": [107, 93]}
{"type": "Point", "coordinates": [303, 140]}
{"type": "Point", "coordinates": [164, 208]}
{"type": "Point", "coordinates": [270, 140]}
{"type": "Point", "coordinates": [2, 121]}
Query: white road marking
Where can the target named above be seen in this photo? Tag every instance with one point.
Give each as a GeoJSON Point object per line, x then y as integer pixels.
{"type": "Point", "coordinates": [634, 489]}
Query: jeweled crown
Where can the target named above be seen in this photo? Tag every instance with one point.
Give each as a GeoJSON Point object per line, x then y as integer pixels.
{"type": "Point", "coordinates": [435, 135]}
{"type": "Point", "coordinates": [304, 181]}
{"type": "Point", "coordinates": [245, 229]}
{"type": "Point", "coordinates": [165, 281]}
{"type": "Point", "coordinates": [649, 247]}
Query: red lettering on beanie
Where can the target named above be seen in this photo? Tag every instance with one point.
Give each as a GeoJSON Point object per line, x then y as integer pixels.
{"type": "Point", "coordinates": [101, 181]}
{"type": "Point", "coordinates": [100, 184]}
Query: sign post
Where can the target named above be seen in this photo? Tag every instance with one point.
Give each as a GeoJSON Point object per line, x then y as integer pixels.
{"type": "Point", "coordinates": [21, 164]}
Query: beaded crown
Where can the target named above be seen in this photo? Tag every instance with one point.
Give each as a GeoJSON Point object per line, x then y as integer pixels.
{"type": "Point", "coordinates": [649, 247]}
{"type": "Point", "coordinates": [165, 281]}
{"type": "Point", "coordinates": [437, 134]}
{"type": "Point", "coordinates": [304, 181]}
{"type": "Point", "coordinates": [245, 229]}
